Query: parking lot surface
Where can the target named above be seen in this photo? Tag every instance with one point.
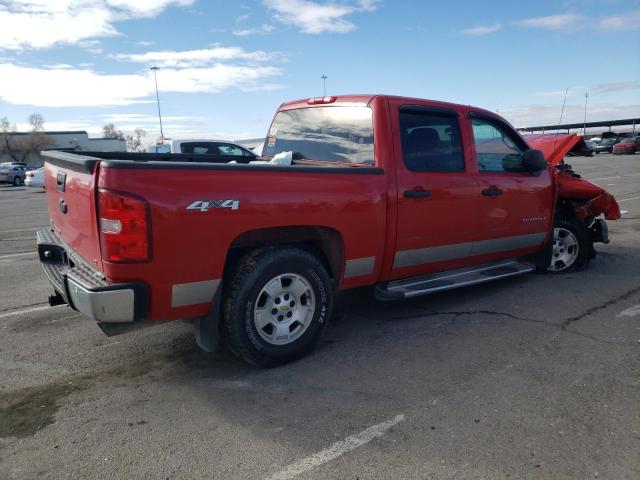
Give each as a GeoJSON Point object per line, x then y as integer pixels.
{"type": "Point", "coordinates": [532, 377]}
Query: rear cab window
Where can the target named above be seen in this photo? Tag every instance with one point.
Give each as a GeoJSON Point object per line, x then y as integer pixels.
{"type": "Point", "coordinates": [336, 134]}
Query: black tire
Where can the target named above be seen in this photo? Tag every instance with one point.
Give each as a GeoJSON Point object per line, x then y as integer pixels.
{"type": "Point", "coordinates": [584, 245]}
{"type": "Point", "coordinates": [17, 181]}
{"type": "Point", "coordinates": [253, 273]}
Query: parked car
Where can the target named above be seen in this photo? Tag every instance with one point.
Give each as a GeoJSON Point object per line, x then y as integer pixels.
{"type": "Point", "coordinates": [606, 145]}
{"type": "Point", "coordinates": [203, 147]}
{"type": "Point", "coordinates": [581, 149]}
{"type": "Point", "coordinates": [628, 145]}
{"type": "Point", "coordinates": [14, 174]}
{"type": "Point", "coordinates": [441, 196]}
{"type": "Point", "coordinates": [35, 178]}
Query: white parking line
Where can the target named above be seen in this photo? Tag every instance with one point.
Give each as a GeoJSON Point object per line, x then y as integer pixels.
{"type": "Point", "coordinates": [22, 311]}
{"type": "Point", "coordinates": [615, 176]}
{"type": "Point", "coordinates": [21, 230]}
{"type": "Point", "coordinates": [627, 199]}
{"type": "Point", "coordinates": [603, 178]}
{"type": "Point", "coordinates": [630, 312]}
{"type": "Point", "coordinates": [336, 450]}
{"type": "Point", "coordinates": [22, 254]}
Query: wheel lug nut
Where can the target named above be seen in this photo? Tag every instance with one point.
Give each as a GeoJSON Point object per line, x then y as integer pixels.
{"type": "Point", "coordinates": [292, 304]}
{"type": "Point", "coordinates": [274, 311]}
{"type": "Point", "coordinates": [278, 301]}
{"type": "Point", "coordinates": [286, 296]}
{"type": "Point", "coordinates": [280, 317]}
{"type": "Point", "coordinates": [289, 315]}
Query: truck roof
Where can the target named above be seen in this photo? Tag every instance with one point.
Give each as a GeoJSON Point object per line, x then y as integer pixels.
{"type": "Point", "coordinates": [365, 99]}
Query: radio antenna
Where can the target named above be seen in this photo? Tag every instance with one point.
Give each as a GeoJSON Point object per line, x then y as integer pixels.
{"type": "Point", "coordinates": [564, 100]}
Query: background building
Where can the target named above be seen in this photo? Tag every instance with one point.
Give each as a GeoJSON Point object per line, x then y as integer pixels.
{"type": "Point", "coordinates": [69, 141]}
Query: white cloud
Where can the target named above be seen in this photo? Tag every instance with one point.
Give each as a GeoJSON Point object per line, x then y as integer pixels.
{"type": "Point", "coordinates": [193, 58]}
{"type": "Point", "coordinates": [261, 30]}
{"type": "Point", "coordinates": [536, 115]}
{"type": "Point", "coordinates": [621, 22]}
{"type": "Point", "coordinates": [59, 66]}
{"type": "Point", "coordinates": [592, 90]}
{"type": "Point", "coordinates": [45, 23]}
{"type": "Point", "coordinates": [555, 93]}
{"type": "Point", "coordinates": [142, 118]}
{"type": "Point", "coordinates": [614, 87]}
{"type": "Point", "coordinates": [482, 29]}
{"type": "Point", "coordinates": [553, 22]}
{"type": "Point", "coordinates": [141, 8]}
{"type": "Point", "coordinates": [84, 87]}
{"type": "Point", "coordinates": [315, 17]}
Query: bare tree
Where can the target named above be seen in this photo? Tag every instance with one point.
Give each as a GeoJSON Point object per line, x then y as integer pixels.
{"type": "Point", "coordinates": [135, 142]}
{"type": "Point", "coordinates": [18, 146]}
{"type": "Point", "coordinates": [110, 131]}
{"type": "Point", "coordinates": [36, 122]}
{"type": "Point", "coordinates": [6, 129]}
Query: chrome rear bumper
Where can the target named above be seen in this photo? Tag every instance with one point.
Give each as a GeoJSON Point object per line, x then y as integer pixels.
{"type": "Point", "coordinates": [85, 289]}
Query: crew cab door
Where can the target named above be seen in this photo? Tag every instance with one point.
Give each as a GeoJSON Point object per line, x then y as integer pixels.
{"type": "Point", "coordinates": [437, 196]}
{"type": "Point", "coordinates": [515, 206]}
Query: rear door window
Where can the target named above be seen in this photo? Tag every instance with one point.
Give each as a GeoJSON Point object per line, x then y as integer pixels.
{"type": "Point", "coordinates": [431, 141]}
{"type": "Point", "coordinates": [342, 134]}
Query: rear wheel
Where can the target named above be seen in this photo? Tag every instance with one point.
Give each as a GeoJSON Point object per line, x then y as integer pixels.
{"type": "Point", "coordinates": [572, 245]}
{"type": "Point", "coordinates": [17, 181]}
{"type": "Point", "coordinates": [278, 304]}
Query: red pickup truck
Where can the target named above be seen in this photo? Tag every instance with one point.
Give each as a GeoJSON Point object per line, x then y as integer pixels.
{"type": "Point", "coordinates": [408, 195]}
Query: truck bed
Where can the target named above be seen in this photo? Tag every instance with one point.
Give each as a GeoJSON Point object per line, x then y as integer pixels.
{"type": "Point", "coordinates": [192, 225]}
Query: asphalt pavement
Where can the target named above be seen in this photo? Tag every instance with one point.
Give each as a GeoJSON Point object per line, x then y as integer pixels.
{"type": "Point", "coordinates": [532, 377]}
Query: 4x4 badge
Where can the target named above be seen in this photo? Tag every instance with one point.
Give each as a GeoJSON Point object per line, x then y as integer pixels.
{"type": "Point", "coordinates": [205, 205]}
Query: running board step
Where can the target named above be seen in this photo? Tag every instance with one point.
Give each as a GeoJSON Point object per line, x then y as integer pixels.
{"type": "Point", "coordinates": [437, 282]}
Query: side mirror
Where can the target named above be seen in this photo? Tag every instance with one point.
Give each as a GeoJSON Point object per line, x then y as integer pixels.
{"type": "Point", "coordinates": [533, 160]}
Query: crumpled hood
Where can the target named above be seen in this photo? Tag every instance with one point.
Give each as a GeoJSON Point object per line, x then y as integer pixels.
{"type": "Point", "coordinates": [588, 199]}
{"type": "Point", "coordinates": [553, 146]}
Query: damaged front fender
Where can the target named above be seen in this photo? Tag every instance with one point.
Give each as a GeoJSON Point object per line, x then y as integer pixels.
{"type": "Point", "coordinates": [587, 199]}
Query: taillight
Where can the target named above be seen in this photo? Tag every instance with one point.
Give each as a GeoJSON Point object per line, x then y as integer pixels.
{"type": "Point", "coordinates": [125, 229]}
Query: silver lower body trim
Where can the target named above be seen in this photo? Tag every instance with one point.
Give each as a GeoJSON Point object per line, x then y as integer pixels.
{"type": "Point", "coordinates": [358, 267]}
{"type": "Point", "coordinates": [455, 251]}
{"type": "Point", "coordinates": [194, 293]}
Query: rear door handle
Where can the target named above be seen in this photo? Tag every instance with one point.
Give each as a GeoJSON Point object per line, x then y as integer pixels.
{"type": "Point", "coordinates": [416, 193]}
{"type": "Point", "coordinates": [491, 192]}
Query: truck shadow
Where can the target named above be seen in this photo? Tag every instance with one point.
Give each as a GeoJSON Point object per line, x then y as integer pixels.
{"type": "Point", "coordinates": [374, 354]}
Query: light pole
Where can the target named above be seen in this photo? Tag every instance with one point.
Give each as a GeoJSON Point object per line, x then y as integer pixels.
{"type": "Point", "coordinates": [324, 85]}
{"type": "Point", "coordinates": [155, 77]}
{"type": "Point", "coordinates": [584, 126]}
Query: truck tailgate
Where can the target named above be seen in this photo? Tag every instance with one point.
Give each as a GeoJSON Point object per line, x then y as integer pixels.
{"type": "Point", "coordinates": [71, 201]}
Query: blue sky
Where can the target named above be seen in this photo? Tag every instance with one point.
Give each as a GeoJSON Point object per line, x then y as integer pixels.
{"type": "Point", "coordinates": [225, 66]}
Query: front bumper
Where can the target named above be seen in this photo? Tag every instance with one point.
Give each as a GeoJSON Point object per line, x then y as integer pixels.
{"type": "Point", "coordinates": [85, 289]}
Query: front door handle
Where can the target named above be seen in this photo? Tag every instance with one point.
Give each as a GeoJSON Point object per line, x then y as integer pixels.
{"type": "Point", "coordinates": [491, 192]}
{"type": "Point", "coordinates": [416, 193]}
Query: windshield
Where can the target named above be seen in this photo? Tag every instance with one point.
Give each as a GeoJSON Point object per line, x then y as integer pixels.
{"type": "Point", "coordinates": [628, 140]}
{"type": "Point", "coordinates": [332, 134]}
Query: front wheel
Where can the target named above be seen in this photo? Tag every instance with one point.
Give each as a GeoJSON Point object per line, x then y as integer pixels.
{"type": "Point", "coordinates": [277, 306]}
{"type": "Point", "coordinates": [572, 245]}
{"type": "Point", "coordinates": [17, 181]}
